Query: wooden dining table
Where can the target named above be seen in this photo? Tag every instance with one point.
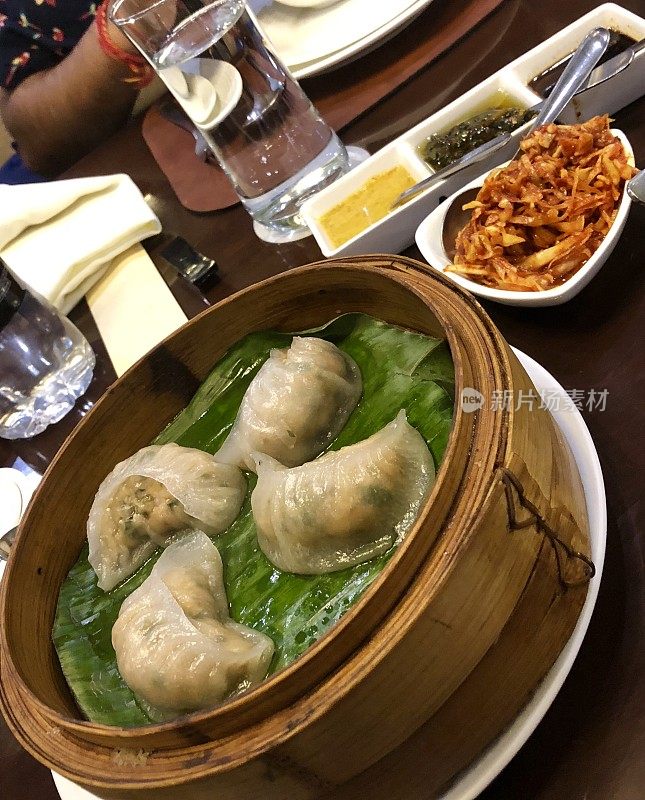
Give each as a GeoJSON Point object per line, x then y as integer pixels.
{"type": "Point", "coordinates": [591, 743]}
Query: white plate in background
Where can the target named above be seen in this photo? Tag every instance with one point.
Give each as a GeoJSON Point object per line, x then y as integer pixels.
{"type": "Point", "coordinates": [482, 771]}
{"type": "Point", "coordinates": [311, 41]}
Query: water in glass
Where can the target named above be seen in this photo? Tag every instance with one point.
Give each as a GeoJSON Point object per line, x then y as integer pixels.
{"type": "Point", "coordinates": [273, 145]}
{"type": "Point", "coordinates": [46, 364]}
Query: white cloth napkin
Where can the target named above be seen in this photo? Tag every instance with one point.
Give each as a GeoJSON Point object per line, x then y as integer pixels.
{"type": "Point", "coordinates": [133, 308]}
{"type": "Point", "coordinates": [58, 238]}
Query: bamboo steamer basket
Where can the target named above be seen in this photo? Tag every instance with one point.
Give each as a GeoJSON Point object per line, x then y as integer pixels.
{"type": "Point", "coordinates": [449, 641]}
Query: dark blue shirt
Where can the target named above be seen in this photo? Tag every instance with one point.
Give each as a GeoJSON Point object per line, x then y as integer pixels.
{"type": "Point", "coordinates": [37, 34]}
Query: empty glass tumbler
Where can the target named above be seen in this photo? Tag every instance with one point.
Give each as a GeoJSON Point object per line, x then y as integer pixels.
{"type": "Point", "coordinates": [265, 133]}
{"type": "Point", "coordinates": [46, 364]}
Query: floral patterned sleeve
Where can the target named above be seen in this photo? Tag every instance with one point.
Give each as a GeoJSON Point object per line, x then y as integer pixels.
{"type": "Point", "coordinates": [38, 34]}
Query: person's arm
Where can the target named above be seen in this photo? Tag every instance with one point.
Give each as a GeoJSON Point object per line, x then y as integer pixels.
{"type": "Point", "coordinates": [58, 115]}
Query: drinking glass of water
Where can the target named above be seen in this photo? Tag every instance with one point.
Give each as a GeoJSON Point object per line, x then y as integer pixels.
{"type": "Point", "coordinates": [264, 131]}
{"type": "Point", "coordinates": [46, 363]}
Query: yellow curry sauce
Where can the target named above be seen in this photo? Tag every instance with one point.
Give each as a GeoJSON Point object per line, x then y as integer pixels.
{"type": "Point", "coordinates": [366, 206]}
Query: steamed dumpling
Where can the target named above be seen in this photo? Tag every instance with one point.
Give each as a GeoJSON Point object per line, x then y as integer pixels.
{"type": "Point", "coordinates": [346, 506]}
{"type": "Point", "coordinates": [295, 406]}
{"type": "Point", "coordinates": [157, 492]}
{"type": "Point", "coordinates": [176, 646]}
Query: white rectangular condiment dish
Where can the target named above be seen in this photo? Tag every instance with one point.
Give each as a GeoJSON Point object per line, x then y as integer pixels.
{"type": "Point", "coordinates": [396, 231]}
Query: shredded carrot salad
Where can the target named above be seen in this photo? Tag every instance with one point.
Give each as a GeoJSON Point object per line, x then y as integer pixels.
{"type": "Point", "coordinates": [536, 221]}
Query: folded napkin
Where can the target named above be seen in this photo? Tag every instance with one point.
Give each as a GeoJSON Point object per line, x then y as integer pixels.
{"type": "Point", "coordinates": [58, 238]}
{"type": "Point", "coordinates": [133, 308]}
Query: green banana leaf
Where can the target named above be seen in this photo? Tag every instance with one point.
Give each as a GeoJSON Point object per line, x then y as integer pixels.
{"type": "Point", "coordinates": [400, 369]}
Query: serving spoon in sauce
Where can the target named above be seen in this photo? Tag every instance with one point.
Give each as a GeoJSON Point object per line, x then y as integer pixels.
{"type": "Point", "coordinates": [574, 78]}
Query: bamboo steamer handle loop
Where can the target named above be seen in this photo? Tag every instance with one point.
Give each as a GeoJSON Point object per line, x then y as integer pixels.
{"type": "Point", "coordinates": [562, 550]}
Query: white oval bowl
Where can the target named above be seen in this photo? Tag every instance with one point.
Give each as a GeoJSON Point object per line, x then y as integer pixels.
{"type": "Point", "coordinates": [429, 241]}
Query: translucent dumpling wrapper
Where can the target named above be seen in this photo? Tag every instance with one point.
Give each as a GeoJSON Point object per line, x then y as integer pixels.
{"type": "Point", "coordinates": [176, 646]}
{"type": "Point", "coordinates": [295, 406]}
{"type": "Point", "coordinates": [158, 492]}
{"type": "Point", "coordinates": [346, 506]}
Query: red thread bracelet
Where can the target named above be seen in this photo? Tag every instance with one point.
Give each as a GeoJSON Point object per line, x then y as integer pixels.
{"type": "Point", "coordinates": [142, 72]}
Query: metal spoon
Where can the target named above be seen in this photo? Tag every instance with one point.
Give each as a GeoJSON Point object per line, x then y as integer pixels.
{"type": "Point", "coordinates": [171, 111]}
{"type": "Point", "coordinates": [574, 77]}
{"type": "Point", "coordinates": [5, 543]}
{"type": "Point", "coordinates": [475, 156]}
{"type": "Point", "coordinates": [636, 187]}
{"type": "Point", "coordinates": [6, 540]}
